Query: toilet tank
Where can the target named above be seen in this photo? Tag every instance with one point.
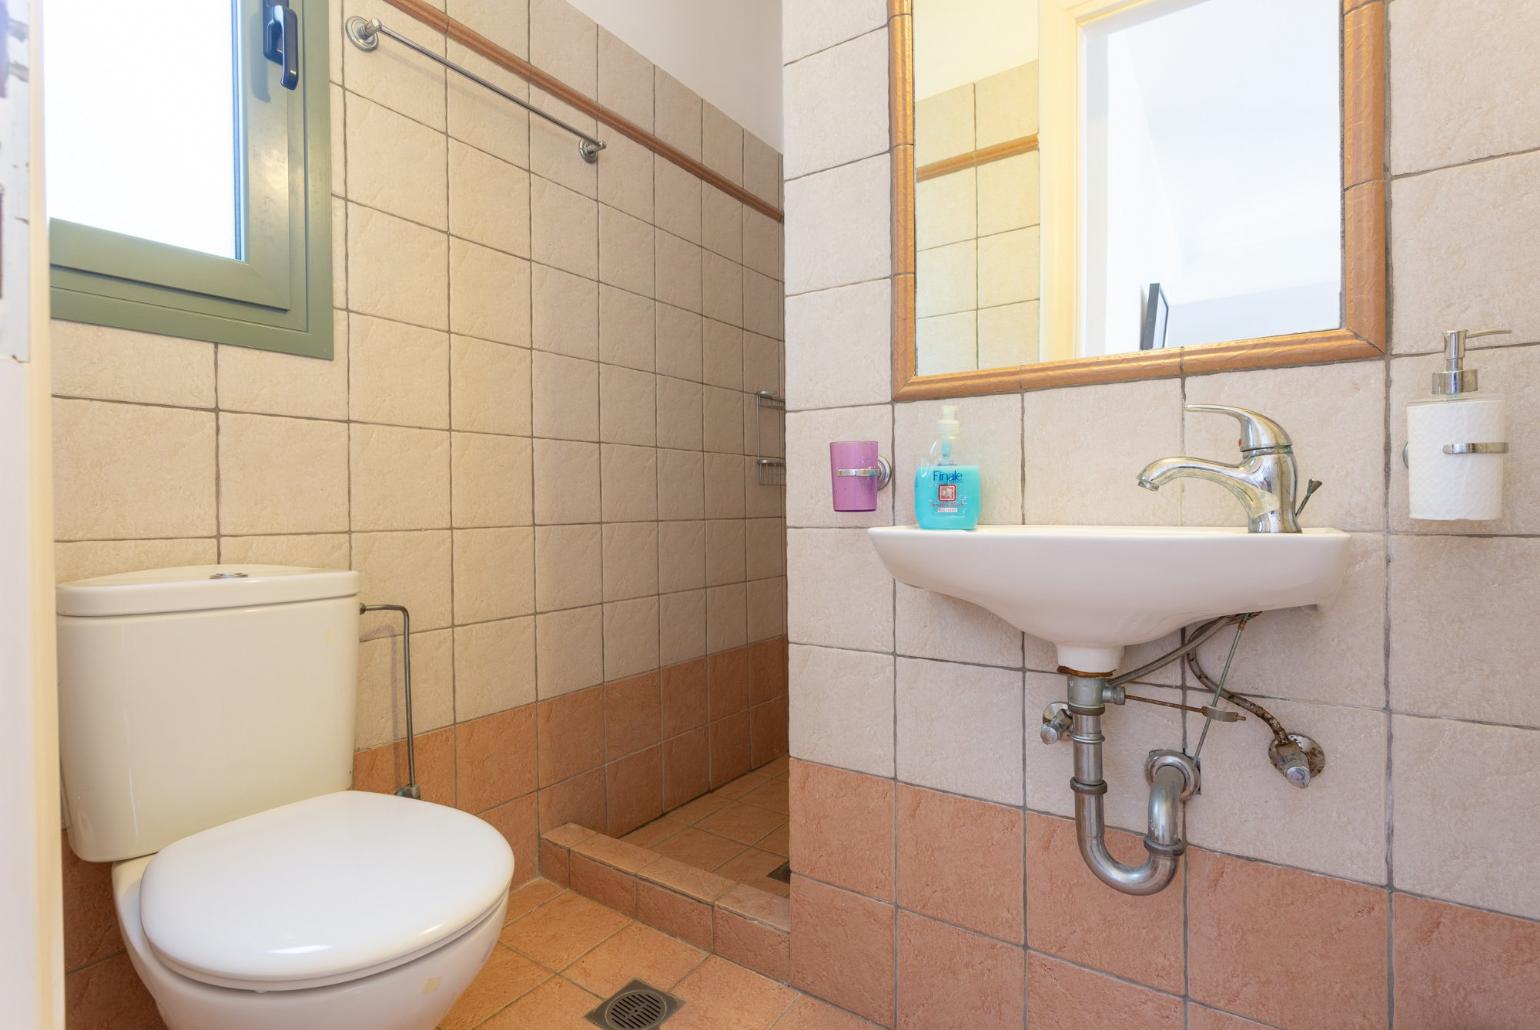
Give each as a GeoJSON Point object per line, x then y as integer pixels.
{"type": "Point", "coordinates": [192, 696]}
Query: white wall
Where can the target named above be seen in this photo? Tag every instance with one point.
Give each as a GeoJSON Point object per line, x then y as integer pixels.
{"type": "Point", "coordinates": [961, 41]}
{"type": "Point", "coordinates": [728, 51]}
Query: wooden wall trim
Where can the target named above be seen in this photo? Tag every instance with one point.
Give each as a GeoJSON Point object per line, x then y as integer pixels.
{"type": "Point", "coordinates": [974, 158]}
{"type": "Point", "coordinates": [463, 34]}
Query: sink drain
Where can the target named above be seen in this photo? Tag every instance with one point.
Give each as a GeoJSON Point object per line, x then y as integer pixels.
{"type": "Point", "coordinates": [636, 1006]}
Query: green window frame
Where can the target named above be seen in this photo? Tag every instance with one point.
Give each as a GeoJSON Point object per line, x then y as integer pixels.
{"type": "Point", "coordinates": [277, 295]}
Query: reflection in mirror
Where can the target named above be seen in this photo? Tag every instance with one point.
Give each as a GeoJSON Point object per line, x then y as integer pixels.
{"type": "Point", "coordinates": [1210, 181]}
{"type": "Point", "coordinates": [977, 223]}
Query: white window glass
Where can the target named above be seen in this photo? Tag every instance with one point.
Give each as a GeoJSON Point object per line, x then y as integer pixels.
{"type": "Point", "coordinates": [141, 120]}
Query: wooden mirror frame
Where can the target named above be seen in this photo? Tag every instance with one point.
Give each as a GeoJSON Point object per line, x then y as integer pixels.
{"type": "Point", "coordinates": [1362, 334]}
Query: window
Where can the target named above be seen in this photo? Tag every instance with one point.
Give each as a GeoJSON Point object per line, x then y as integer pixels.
{"type": "Point", "coordinates": [188, 172]}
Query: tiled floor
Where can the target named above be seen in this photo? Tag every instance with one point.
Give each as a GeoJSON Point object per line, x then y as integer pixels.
{"type": "Point", "coordinates": [561, 953]}
{"type": "Point", "coordinates": [737, 831]}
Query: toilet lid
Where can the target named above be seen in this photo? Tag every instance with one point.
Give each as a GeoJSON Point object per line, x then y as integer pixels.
{"type": "Point", "coordinates": [328, 889]}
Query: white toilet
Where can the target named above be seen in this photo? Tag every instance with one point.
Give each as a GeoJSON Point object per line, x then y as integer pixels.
{"type": "Point", "coordinates": [206, 729]}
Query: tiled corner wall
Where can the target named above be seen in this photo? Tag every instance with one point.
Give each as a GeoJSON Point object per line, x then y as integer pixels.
{"type": "Point", "coordinates": [536, 433]}
{"type": "Point", "coordinates": [937, 878]}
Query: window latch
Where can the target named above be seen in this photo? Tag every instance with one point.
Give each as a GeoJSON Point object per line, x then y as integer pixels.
{"type": "Point", "coordinates": [280, 41]}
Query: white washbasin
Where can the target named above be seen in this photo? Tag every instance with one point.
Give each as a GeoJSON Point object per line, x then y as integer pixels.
{"type": "Point", "coordinates": [1093, 590]}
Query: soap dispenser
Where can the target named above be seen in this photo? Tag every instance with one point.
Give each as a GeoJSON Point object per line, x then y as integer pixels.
{"type": "Point", "coordinates": [1455, 442]}
{"type": "Point", "coordinates": [946, 492]}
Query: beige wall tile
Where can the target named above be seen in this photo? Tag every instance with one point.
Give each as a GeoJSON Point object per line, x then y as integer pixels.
{"type": "Point", "coordinates": [494, 667]}
{"type": "Point", "coordinates": [489, 294]}
{"type": "Point", "coordinates": [505, 24]}
{"type": "Point", "coordinates": [629, 478]}
{"type": "Point", "coordinates": [1107, 433]}
{"type": "Point", "coordinates": [827, 122]}
{"type": "Point", "coordinates": [722, 289]}
{"type": "Point", "coordinates": [282, 475]}
{"type": "Point", "coordinates": [1453, 839]}
{"type": "Point", "coordinates": [85, 559]}
{"type": "Point", "coordinates": [125, 470]}
{"type": "Point", "coordinates": [946, 343]}
{"type": "Point", "coordinates": [101, 363]}
{"type": "Point", "coordinates": [681, 484]}
{"type": "Point", "coordinates": [1008, 334]}
{"type": "Point", "coordinates": [946, 209]}
{"type": "Point", "coordinates": [842, 708]}
{"type": "Point", "coordinates": [397, 373]}
{"type": "Point", "coordinates": [624, 80]}
{"type": "Point", "coordinates": [721, 354]}
{"type": "Point", "coordinates": [1461, 621]}
{"type": "Point", "coordinates": [309, 550]}
{"type": "Point", "coordinates": [809, 493]}
{"type": "Point", "coordinates": [721, 144]}
{"type": "Point", "coordinates": [630, 552]}
{"type": "Point", "coordinates": [678, 342]}
{"type": "Point", "coordinates": [678, 200]}
{"type": "Point", "coordinates": [482, 118]}
{"type": "Point", "coordinates": [1008, 194]}
{"type": "Point", "coordinates": [839, 593]}
{"type": "Point", "coordinates": [569, 650]}
{"type": "Point", "coordinates": [762, 244]}
{"type": "Point", "coordinates": [725, 551]}
{"type": "Point", "coordinates": [762, 304]}
{"type": "Point", "coordinates": [393, 76]}
{"type": "Point", "coordinates": [491, 480]}
{"type": "Point", "coordinates": [1009, 267]}
{"type": "Point", "coordinates": [681, 554]}
{"type": "Point", "coordinates": [566, 397]}
{"type": "Point", "coordinates": [564, 228]}
{"type": "Point", "coordinates": [627, 406]}
{"type": "Point", "coordinates": [381, 713]}
{"type": "Point", "coordinates": [630, 637]}
{"type": "Point", "coordinates": [989, 438]}
{"type": "Point", "coordinates": [626, 176]}
{"type": "Point", "coordinates": [489, 387]}
{"type": "Point", "coordinates": [722, 221]}
{"type": "Point", "coordinates": [929, 625]}
{"type": "Point", "coordinates": [679, 413]}
{"type": "Point", "coordinates": [681, 626]}
{"type": "Point", "coordinates": [400, 478]}
{"type": "Point", "coordinates": [566, 313]}
{"type": "Point", "coordinates": [566, 482]}
{"type": "Point", "coordinates": [626, 329]}
{"type": "Point", "coordinates": [946, 279]}
{"type": "Point", "coordinates": [767, 608]}
{"type": "Point", "coordinates": [808, 26]}
{"type": "Point", "coordinates": [762, 364]}
{"type": "Point", "coordinates": [679, 272]}
{"type": "Point", "coordinates": [414, 569]}
{"type": "Point", "coordinates": [625, 251]}
{"type": "Point", "coordinates": [488, 200]}
{"type": "Point", "coordinates": [944, 125]}
{"type": "Point", "coordinates": [724, 486]}
{"type": "Point", "coordinates": [726, 617]}
{"type": "Point", "coordinates": [1336, 827]}
{"type": "Point", "coordinates": [765, 548]}
{"type": "Point", "coordinates": [838, 226]}
{"type": "Point", "coordinates": [1459, 241]}
{"type": "Point", "coordinates": [1006, 105]}
{"type": "Point", "coordinates": [838, 347]}
{"type": "Point", "coordinates": [677, 111]}
{"type": "Point", "coordinates": [397, 269]}
{"type": "Point", "coordinates": [1335, 416]}
{"type": "Point", "coordinates": [722, 425]}
{"type": "Point", "coordinates": [395, 164]}
{"type": "Point", "coordinates": [285, 384]}
{"type": "Point", "coordinates": [553, 153]}
{"type": "Point", "coordinates": [494, 574]}
{"type": "Point", "coordinates": [568, 567]}
{"type": "Point", "coordinates": [959, 729]}
{"type": "Point", "coordinates": [339, 250]}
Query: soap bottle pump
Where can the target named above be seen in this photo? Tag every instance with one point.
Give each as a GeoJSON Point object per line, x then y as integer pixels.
{"type": "Point", "coordinates": [946, 492]}
{"type": "Point", "coordinates": [1455, 441]}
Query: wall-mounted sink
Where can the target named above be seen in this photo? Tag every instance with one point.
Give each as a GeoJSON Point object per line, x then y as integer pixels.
{"type": "Point", "coordinates": [1093, 590]}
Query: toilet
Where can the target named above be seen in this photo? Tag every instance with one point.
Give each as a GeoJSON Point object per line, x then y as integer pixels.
{"type": "Point", "coordinates": [206, 738]}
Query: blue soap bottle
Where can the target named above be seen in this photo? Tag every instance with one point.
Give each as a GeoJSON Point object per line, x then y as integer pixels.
{"type": "Point", "coordinates": [946, 492]}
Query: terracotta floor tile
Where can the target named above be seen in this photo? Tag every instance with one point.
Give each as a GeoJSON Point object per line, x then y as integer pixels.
{"type": "Point", "coordinates": [1073, 915]}
{"type": "Point", "coordinates": [701, 807]}
{"type": "Point", "coordinates": [1460, 967]}
{"type": "Point", "coordinates": [1200, 1017]}
{"type": "Point", "coordinates": [90, 914]}
{"type": "Point", "coordinates": [842, 828]}
{"type": "Point", "coordinates": [655, 832]}
{"type": "Point", "coordinates": [842, 948]}
{"type": "Point", "coordinates": [506, 977]}
{"type": "Point", "coordinates": [775, 796]}
{"type": "Point", "coordinates": [951, 979]}
{"type": "Point", "coordinates": [636, 953]}
{"type": "Point", "coordinates": [529, 897]}
{"type": "Point", "coordinates": [808, 1013]}
{"type": "Point", "coordinates": [778, 769]}
{"type": "Point", "coordinates": [722, 996]}
{"type": "Point", "coordinates": [742, 823]}
{"type": "Point", "coordinates": [556, 1004]}
{"type": "Point", "coordinates": [1066, 997]}
{"type": "Point", "coordinates": [700, 849]}
{"type": "Point", "coordinates": [109, 996]}
{"type": "Point", "coordinates": [752, 867]}
{"type": "Point", "coordinates": [777, 840]}
{"type": "Point", "coordinates": [686, 879]}
{"type": "Point", "coordinates": [756, 904]}
{"type": "Point", "coordinates": [557, 933]}
{"type": "Point", "coordinates": [745, 784]}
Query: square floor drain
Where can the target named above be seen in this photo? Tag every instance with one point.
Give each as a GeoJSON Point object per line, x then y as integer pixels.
{"type": "Point", "coordinates": [781, 872]}
{"type": "Point", "coordinates": [636, 1006]}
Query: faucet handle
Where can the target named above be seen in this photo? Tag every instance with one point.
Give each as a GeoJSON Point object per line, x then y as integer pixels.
{"type": "Point", "coordinates": [1258, 432]}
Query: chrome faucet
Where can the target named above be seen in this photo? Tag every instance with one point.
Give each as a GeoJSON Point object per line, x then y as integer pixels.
{"type": "Point", "coordinates": [1264, 481]}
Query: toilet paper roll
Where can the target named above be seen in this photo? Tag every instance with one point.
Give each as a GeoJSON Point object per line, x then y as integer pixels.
{"type": "Point", "coordinates": [1454, 486]}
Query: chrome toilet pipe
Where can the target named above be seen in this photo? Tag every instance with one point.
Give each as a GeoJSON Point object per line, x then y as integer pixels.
{"type": "Point", "coordinates": [1173, 778]}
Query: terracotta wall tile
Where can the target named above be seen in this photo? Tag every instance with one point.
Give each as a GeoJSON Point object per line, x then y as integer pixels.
{"type": "Point", "coordinates": [1458, 967]}
{"type": "Point", "coordinates": [767, 670]}
{"type": "Point", "coordinates": [90, 913]}
{"type": "Point", "coordinates": [842, 948]}
{"type": "Point", "coordinates": [673, 913]}
{"type": "Point", "coordinates": [842, 828]}
{"type": "Point", "coordinates": [571, 729]}
{"type": "Point", "coordinates": [634, 790]}
{"type": "Point", "coordinates": [383, 769]}
{"type": "Point", "coordinates": [495, 758]}
{"type": "Point", "coordinates": [516, 821]}
{"type": "Point", "coordinates": [1202, 1018]}
{"type": "Point", "coordinates": [1065, 997]}
{"type": "Point", "coordinates": [608, 886]}
{"type": "Point", "coordinates": [761, 948]}
{"type": "Point", "coordinates": [109, 996]}
{"type": "Point", "coordinates": [1072, 914]}
{"type": "Point", "coordinates": [961, 860]}
{"type": "Point", "coordinates": [727, 682]}
{"type": "Point", "coordinates": [729, 748]}
{"type": "Point", "coordinates": [632, 715]}
{"type": "Point", "coordinates": [950, 978]}
{"type": "Point", "coordinates": [578, 800]}
{"type": "Point", "coordinates": [768, 731]}
{"type": "Point", "coordinates": [684, 696]}
{"type": "Point", "coordinates": [1286, 946]}
{"type": "Point", "coordinates": [555, 862]}
{"type": "Point", "coordinates": [686, 768]}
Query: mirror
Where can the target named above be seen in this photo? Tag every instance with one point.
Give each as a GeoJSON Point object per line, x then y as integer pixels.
{"type": "Point", "coordinates": [1119, 189]}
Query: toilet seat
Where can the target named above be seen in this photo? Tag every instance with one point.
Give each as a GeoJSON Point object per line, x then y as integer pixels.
{"type": "Point", "coordinates": [319, 892]}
